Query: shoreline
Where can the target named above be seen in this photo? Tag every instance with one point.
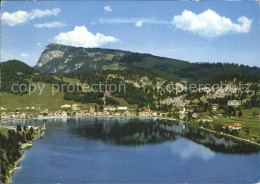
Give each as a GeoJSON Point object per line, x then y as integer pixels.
{"type": "Point", "coordinates": [212, 131]}
{"type": "Point", "coordinates": [147, 117]}
{"type": "Point", "coordinates": [15, 166]}
{"type": "Point", "coordinates": [22, 150]}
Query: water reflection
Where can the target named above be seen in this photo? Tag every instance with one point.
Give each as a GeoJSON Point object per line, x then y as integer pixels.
{"type": "Point", "coordinates": [134, 132]}
{"type": "Point", "coordinates": [187, 150]}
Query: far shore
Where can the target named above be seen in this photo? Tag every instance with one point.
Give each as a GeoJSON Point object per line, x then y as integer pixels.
{"type": "Point", "coordinates": [146, 117]}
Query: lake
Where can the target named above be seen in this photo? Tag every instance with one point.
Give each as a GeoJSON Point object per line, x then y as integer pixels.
{"type": "Point", "coordinates": [125, 150]}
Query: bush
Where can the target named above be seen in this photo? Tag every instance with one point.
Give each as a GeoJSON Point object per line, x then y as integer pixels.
{"type": "Point", "coordinates": [234, 133]}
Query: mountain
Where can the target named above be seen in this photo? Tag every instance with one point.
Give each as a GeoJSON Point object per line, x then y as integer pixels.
{"type": "Point", "coordinates": [66, 59]}
{"type": "Point", "coordinates": [62, 59]}
{"type": "Point", "coordinates": [138, 89]}
{"type": "Point", "coordinates": [133, 87]}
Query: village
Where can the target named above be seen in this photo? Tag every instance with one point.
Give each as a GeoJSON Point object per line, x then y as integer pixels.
{"type": "Point", "coordinates": [74, 110]}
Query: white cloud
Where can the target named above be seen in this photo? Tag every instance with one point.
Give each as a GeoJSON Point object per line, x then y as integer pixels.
{"type": "Point", "coordinates": [20, 17]}
{"type": "Point", "coordinates": [24, 55]}
{"type": "Point", "coordinates": [139, 24]}
{"type": "Point", "coordinates": [210, 24]}
{"type": "Point", "coordinates": [189, 150]}
{"type": "Point", "coordinates": [43, 13]}
{"type": "Point", "coordinates": [50, 24]}
{"type": "Point", "coordinates": [15, 18]}
{"type": "Point", "coordinates": [81, 37]}
{"type": "Point", "coordinates": [108, 8]}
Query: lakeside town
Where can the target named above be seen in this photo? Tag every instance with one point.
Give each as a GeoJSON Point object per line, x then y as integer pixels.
{"type": "Point", "coordinates": [182, 114]}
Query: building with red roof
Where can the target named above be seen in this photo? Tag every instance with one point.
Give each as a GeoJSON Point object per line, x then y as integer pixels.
{"type": "Point", "coordinates": [237, 126]}
{"type": "Point", "coordinates": [107, 93]}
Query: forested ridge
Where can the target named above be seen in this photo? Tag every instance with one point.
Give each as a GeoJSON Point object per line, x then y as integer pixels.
{"type": "Point", "coordinates": [78, 59]}
{"type": "Point", "coordinates": [10, 148]}
{"type": "Point", "coordinates": [141, 86]}
{"type": "Point", "coordinates": [15, 72]}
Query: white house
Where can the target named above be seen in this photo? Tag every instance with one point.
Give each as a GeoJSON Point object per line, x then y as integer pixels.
{"type": "Point", "coordinates": [127, 113]}
{"type": "Point", "coordinates": [122, 108]}
{"type": "Point", "coordinates": [234, 103]}
{"type": "Point", "coordinates": [182, 110]}
{"type": "Point", "coordinates": [106, 113]}
{"type": "Point", "coordinates": [214, 107]}
{"type": "Point", "coordinates": [154, 114]}
{"type": "Point", "coordinates": [109, 108]}
{"type": "Point", "coordinates": [117, 114]}
{"type": "Point", "coordinates": [194, 115]}
{"type": "Point", "coordinates": [100, 114]}
{"type": "Point", "coordinates": [142, 114]}
{"type": "Point", "coordinates": [237, 126]}
{"type": "Point", "coordinates": [64, 113]}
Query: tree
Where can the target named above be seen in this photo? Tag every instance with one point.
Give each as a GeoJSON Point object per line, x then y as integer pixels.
{"type": "Point", "coordinates": [218, 128]}
{"type": "Point", "coordinates": [153, 107]}
{"type": "Point", "coordinates": [247, 131]}
{"type": "Point", "coordinates": [18, 128]}
{"type": "Point", "coordinates": [227, 130]}
{"type": "Point", "coordinates": [31, 130]}
{"type": "Point", "coordinates": [101, 107]}
{"type": "Point", "coordinates": [206, 125]}
{"type": "Point", "coordinates": [240, 114]}
{"type": "Point", "coordinates": [205, 106]}
{"type": "Point", "coordinates": [189, 116]}
{"type": "Point", "coordinates": [111, 101]}
{"type": "Point", "coordinates": [29, 136]}
{"type": "Point", "coordinates": [229, 110]}
{"type": "Point", "coordinates": [234, 132]}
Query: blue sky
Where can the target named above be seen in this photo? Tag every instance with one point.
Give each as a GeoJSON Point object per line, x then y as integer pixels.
{"type": "Point", "coordinates": [192, 31]}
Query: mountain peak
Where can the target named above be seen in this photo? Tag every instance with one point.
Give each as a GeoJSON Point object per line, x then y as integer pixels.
{"type": "Point", "coordinates": [57, 58]}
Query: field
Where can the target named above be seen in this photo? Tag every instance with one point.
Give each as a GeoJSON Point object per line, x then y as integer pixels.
{"type": "Point", "coordinates": [47, 99]}
{"type": "Point", "coordinates": [122, 102]}
{"type": "Point", "coordinates": [247, 120]}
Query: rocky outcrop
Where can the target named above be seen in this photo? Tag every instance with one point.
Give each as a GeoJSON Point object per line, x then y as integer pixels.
{"type": "Point", "coordinates": [61, 59]}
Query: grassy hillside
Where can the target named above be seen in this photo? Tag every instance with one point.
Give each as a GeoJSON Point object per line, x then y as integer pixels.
{"type": "Point", "coordinates": [35, 98]}
{"type": "Point", "coordinates": [247, 120]}
{"type": "Point", "coordinates": [45, 100]}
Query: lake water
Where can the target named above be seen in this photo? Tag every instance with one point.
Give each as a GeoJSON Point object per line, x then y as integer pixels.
{"type": "Point", "coordinates": [109, 150]}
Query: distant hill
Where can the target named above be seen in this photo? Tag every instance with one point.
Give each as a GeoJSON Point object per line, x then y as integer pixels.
{"type": "Point", "coordinates": [14, 71]}
{"type": "Point", "coordinates": [143, 89]}
{"type": "Point", "coordinates": [62, 59]}
{"type": "Point", "coordinates": [139, 88]}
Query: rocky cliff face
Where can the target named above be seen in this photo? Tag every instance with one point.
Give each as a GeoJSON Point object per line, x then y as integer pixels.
{"type": "Point", "coordinates": [58, 58]}
{"type": "Point", "coordinates": [49, 56]}
{"type": "Point", "coordinates": [62, 59]}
